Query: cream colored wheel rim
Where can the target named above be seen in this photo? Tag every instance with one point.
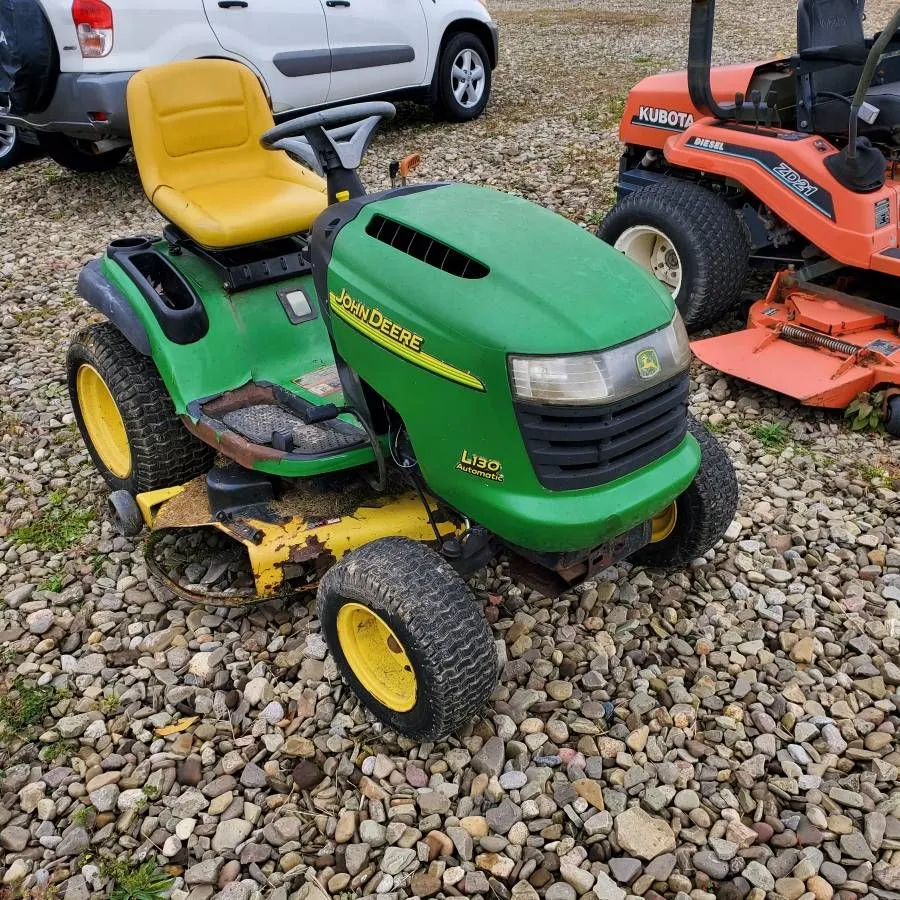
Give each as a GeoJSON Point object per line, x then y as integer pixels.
{"type": "Point", "coordinates": [654, 252]}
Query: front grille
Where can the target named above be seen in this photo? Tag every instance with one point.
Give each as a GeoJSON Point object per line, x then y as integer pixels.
{"type": "Point", "coordinates": [573, 447]}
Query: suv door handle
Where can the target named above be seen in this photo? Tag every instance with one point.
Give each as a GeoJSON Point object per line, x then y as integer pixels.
{"type": "Point", "coordinates": [335, 3]}
{"type": "Point", "coordinates": [232, 4]}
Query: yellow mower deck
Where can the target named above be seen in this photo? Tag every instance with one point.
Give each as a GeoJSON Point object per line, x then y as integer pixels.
{"type": "Point", "coordinates": [287, 538]}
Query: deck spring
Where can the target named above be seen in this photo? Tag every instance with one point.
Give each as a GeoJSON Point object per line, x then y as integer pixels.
{"type": "Point", "coordinates": [803, 336]}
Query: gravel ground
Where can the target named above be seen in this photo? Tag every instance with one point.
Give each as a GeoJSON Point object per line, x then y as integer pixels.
{"type": "Point", "coordinates": [727, 731]}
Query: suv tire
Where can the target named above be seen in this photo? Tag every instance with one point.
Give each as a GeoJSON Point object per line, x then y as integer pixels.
{"type": "Point", "coordinates": [12, 148]}
{"type": "Point", "coordinates": [462, 79]}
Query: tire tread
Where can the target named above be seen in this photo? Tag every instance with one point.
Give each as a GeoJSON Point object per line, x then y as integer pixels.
{"type": "Point", "coordinates": [412, 583]}
{"type": "Point", "coordinates": [705, 509]}
{"type": "Point", "coordinates": [694, 215]}
{"type": "Point", "coordinates": [163, 451]}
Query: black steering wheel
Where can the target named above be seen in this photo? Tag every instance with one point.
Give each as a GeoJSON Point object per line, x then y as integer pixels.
{"type": "Point", "coordinates": [332, 139]}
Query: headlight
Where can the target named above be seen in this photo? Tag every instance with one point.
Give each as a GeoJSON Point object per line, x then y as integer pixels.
{"type": "Point", "coordinates": [606, 375]}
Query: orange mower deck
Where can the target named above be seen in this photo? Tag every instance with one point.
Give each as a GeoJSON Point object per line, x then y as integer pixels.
{"type": "Point", "coordinates": [818, 345]}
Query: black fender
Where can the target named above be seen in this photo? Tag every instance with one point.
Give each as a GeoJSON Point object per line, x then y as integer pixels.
{"type": "Point", "coordinates": [96, 289]}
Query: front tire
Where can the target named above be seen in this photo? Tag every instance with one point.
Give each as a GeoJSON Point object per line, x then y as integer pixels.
{"type": "Point", "coordinates": [462, 80]}
{"type": "Point", "coordinates": [702, 512]}
{"type": "Point", "coordinates": [690, 240]}
{"type": "Point", "coordinates": [126, 417]}
{"type": "Point", "coordinates": [76, 155]}
{"type": "Point", "coordinates": [408, 637]}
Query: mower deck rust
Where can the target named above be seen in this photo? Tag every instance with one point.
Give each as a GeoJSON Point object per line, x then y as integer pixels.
{"type": "Point", "coordinates": [815, 344]}
{"type": "Point", "coordinates": [291, 542]}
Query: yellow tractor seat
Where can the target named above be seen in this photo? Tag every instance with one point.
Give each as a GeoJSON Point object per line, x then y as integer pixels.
{"type": "Point", "coordinates": [195, 127]}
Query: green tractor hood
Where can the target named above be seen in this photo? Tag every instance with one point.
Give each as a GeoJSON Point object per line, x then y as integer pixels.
{"type": "Point", "coordinates": [549, 286]}
{"type": "Point", "coordinates": [429, 292]}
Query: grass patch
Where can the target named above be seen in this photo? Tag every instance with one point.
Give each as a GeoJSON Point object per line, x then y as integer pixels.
{"type": "Point", "coordinates": [872, 473]}
{"type": "Point", "coordinates": [82, 815]}
{"type": "Point", "coordinates": [136, 882]}
{"type": "Point", "coordinates": [25, 705]}
{"type": "Point", "coordinates": [109, 704]}
{"type": "Point", "coordinates": [57, 751]}
{"type": "Point", "coordinates": [52, 583]}
{"type": "Point", "coordinates": [772, 435]}
{"type": "Point", "coordinates": [57, 528]}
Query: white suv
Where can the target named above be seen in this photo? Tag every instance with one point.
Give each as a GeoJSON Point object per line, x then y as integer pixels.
{"type": "Point", "coordinates": [64, 64]}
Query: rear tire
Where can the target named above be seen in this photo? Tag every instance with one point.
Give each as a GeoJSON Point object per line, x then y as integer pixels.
{"type": "Point", "coordinates": [126, 417]}
{"type": "Point", "coordinates": [710, 246]}
{"type": "Point", "coordinates": [75, 155]}
{"type": "Point", "coordinates": [704, 510]}
{"type": "Point", "coordinates": [892, 416]}
{"type": "Point", "coordinates": [463, 57]}
{"type": "Point", "coordinates": [417, 605]}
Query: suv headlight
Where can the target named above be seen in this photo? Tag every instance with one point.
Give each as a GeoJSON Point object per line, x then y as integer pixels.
{"type": "Point", "coordinates": [604, 376]}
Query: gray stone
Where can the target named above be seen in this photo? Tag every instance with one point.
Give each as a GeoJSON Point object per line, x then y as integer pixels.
{"type": "Point", "coordinates": [624, 869]}
{"type": "Point", "coordinates": [253, 776]}
{"type": "Point", "coordinates": [606, 888]}
{"type": "Point", "coordinates": [501, 818]}
{"type": "Point", "coordinates": [489, 759]}
{"type": "Point", "coordinates": [13, 838]}
{"type": "Point", "coordinates": [706, 861]}
{"type": "Point", "coordinates": [74, 841]}
{"type": "Point", "coordinates": [855, 846]}
{"type": "Point", "coordinates": [205, 872]}
{"type": "Point", "coordinates": [513, 780]}
{"type": "Point", "coordinates": [560, 890]}
{"type": "Point", "coordinates": [104, 799]}
{"type": "Point", "coordinates": [230, 833]}
{"type": "Point", "coordinates": [759, 876]}
{"type": "Point", "coordinates": [396, 859]}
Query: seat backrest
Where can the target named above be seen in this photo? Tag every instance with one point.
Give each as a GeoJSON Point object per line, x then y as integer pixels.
{"type": "Point", "coordinates": [829, 23]}
{"type": "Point", "coordinates": [199, 121]}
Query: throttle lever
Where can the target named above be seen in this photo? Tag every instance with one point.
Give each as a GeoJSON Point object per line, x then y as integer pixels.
{"type": "Point", "coordinates": [756, 100]}
{"type": "Point", "coordinates": [772, 104]}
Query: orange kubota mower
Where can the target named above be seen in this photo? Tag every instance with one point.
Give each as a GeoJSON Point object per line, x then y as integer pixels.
{"type": "Point", "coordinates": [789, 163]}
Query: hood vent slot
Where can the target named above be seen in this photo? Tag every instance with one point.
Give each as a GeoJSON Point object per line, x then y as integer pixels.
{"type": "Point", "coordinates": [428, 250]}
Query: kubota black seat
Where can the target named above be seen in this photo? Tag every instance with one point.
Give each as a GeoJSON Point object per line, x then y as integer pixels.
{"type": "Point", "coordinates": [831, 45]}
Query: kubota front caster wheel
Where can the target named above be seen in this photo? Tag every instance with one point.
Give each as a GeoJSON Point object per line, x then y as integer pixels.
{"type": "Point", "coordinates": [408, 637]}
{"type": "Point", "coordinates": [700, 515]}
{"type": "Point", "coordinates": [892, 416]}
{"type": "Point", "coordinates": [690, 240]}
{"type": "Point", "coordinates": [124, 514]}
{"type": "Point", "coordinates": [125, 415]}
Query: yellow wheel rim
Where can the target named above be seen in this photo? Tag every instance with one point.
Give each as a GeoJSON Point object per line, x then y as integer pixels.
{"type": "Point", "coordinates": [103, 421]}
{"type": "Point", "coordinates": [376, 657]}
{"type": "Point", "coordinates": [662, 525]}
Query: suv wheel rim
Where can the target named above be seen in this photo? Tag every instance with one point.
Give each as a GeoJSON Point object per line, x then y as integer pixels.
{"type": "Point", "coordinates": [7, 139]}
{"type": "Point", "coordinates": [467, 78]}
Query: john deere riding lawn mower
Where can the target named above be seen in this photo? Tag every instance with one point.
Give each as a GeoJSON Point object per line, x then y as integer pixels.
{"type": "Point", "coordinates": [789, 164]}
{"type": "Point", "coordinates": [371, 394]}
